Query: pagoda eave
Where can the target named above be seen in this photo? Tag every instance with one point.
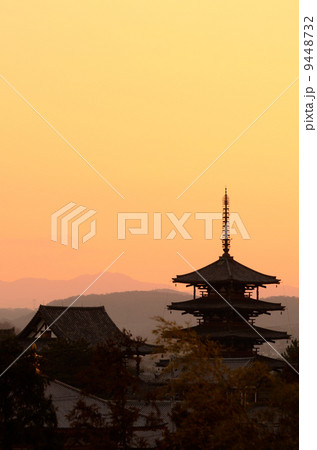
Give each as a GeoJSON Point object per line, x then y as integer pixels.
{"type": "Point", "coordinates": [203, 282]}
{"type": "Point", "coordinates": [223, 271]}
{"type": "Point", "coordinates": [256, 334]}
{"type": "Point", "coordinates": [217, 303]}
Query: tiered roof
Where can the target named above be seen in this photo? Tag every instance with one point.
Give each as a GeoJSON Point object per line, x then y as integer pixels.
{"type": "Point", "coordinates": [225, 307]}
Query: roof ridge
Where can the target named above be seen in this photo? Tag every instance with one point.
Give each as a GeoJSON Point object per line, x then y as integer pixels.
{"type": "Point", "coordinates": [71, 307]}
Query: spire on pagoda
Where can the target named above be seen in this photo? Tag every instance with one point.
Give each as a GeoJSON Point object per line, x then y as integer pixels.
{"type": "Point", "coordinates": [226, 288]}
{"type": "Point", "coordinates": [225, 224]}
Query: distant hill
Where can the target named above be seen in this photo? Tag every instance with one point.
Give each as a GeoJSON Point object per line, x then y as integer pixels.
{"type": "Point", "coordinates": [131, 310]}
{"type": "Point", "coordinates": [288, 321]}
{"type": "Point", "coordinates": [134, 310]}
{"type": "Point", "coordinates": [30, 292]}
{"type": "Point", "coordinates": [15, 317]}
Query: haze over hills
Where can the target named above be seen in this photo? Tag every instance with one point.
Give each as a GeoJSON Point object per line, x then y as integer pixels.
{"type": "Point", "coordinates": [30, 292]}
{"type": "Point", "coordinates": [135, 310]}
{"type": "Point", "coordinates": [132, 310]}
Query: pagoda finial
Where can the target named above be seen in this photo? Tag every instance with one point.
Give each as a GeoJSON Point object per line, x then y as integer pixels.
{"type": "Point", "coordinates": [225, 224]}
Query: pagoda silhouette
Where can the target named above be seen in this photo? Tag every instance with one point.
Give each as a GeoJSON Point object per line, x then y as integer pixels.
{"type": "Point", "coordinates": [226, 301]}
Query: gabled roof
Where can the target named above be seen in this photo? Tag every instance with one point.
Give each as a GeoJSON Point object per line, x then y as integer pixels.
{"type": "Point", "coordinates": [90, 323]}
{"type": "Point", "coordinates": [216, 303]}
{"type": "Point", "coordinates": [224, 270]}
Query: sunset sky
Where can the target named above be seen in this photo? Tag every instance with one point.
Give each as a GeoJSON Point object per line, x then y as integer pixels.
{"type": "Point", "coordinates": [150, 92]}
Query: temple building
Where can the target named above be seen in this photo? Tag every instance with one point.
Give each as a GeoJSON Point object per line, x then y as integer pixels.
{"type": "Point", "coordinates": [226, 301]}
{"type": "Point", "coordinates": [91, 324]}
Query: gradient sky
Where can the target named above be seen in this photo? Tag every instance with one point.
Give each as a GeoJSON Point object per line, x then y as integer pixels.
{"type": "Point", "coordinates": [151, 93]}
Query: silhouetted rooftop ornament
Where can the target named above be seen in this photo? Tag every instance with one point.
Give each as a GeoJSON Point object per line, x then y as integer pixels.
{"type": "Point", "coordinates": [226, 269]}
{"type": "Point", "coordinates": [225, 224]}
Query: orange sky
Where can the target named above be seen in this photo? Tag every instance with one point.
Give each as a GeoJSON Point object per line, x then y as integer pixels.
{"type": "Point", "coordinates": [150, 93]}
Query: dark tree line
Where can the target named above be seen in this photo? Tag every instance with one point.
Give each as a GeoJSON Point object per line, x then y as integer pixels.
{"type": "Point", "coordinates": [27, 417]}
{"type": "Point", "coordinates": [213, 407]}
{"type": "Point", "coordinates": [218, 408]}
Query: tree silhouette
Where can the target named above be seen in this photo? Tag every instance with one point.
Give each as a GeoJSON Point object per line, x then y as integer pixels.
{"type": "Point", "coordinates": [89, 427]}
{"type": "Point", "coordinates": [291, 354]}
{"type": "Point", "coordinates": [110, 378]}
{"type": "Point", "coordinates": [26, 415]}
{"type": "Point", "coordinates": [60, 355]}
{"type": "Point", "coordinates": [219, 408]}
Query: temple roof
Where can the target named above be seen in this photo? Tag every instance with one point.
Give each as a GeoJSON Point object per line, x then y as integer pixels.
{"type": "Point", "coordinates": [216, 303]}
{"type": "Point", "coordinates": [223, 270]}
{"type": "Point", "coordinates": [242, 332]}
{"type": "Point", "coordinates": [89, 323]}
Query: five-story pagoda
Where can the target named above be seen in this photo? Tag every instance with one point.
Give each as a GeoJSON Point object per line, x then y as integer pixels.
{"type": "Point", "coordinates": [224, 304]}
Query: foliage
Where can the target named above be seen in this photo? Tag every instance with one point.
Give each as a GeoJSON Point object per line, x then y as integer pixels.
{"type": "Point", "coordinates": [89, 364]}
{"type": "Point", "coordinates": [109, 377]}
{"type": "Point", "coordinates": [104, 431]}
{"type": "Point", "coordinates": [89, 426]}
{"type": "Point", "coordinates": [103, 371]}
{"type": "Point", "coordinates": [65, 360]}
{"type": "Point", "coordinates": [291, 355]}
{"type": "Point", "coordinates": [214, 407]}
{"type": "Point", "coordinates": [284, 402]}
{"type": "Point", "coordinates": [26, 415]}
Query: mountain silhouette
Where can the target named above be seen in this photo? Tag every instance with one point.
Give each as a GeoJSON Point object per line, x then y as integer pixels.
{"type": "Point", "coordinates": [30, 292]}
{"type": "Point", "coordinates": [135, 310]}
